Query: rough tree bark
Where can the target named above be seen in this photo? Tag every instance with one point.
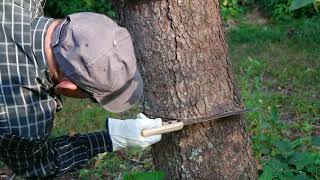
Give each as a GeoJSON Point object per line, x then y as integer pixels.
{"type": "Point", "coordinates": [183, 57]}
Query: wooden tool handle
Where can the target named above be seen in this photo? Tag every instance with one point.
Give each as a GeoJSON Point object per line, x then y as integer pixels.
{"type": "Point", "coordinates": [166, 127]}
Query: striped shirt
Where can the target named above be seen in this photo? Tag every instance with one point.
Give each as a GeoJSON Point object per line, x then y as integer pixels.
{"type": "Point", "coordinates": [28, 102]}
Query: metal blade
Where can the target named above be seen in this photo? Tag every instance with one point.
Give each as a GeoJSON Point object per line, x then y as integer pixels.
{"type": "Point", "coordinates": [213, 117]}
{"type": "Point", "coordinates": [178, 124]}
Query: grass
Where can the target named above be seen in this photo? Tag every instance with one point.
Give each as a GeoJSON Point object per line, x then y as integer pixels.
{"type": "Point", "coordinates": [278, 70]}
{"type": "Point", "coordinates": [83, 116]}
{"type": "Point", "coordinates": [277, 67]}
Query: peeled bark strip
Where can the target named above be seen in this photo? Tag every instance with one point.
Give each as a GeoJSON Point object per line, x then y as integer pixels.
{"type": "Point", "coordinates": [182, 53]}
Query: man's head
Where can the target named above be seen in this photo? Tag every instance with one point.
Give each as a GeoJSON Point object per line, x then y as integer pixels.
{"type": "Point", "coordinates": [97, 60]}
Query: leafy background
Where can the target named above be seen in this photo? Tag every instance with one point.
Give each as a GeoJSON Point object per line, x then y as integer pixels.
{"type": "Point", "coordinates": [274, 46]}
{"type": "Point", "coordinates": [61, 8]}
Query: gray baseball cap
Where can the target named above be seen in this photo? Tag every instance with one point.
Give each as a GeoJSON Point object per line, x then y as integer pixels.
{"type": "Point", "coordinates": [98, 56]}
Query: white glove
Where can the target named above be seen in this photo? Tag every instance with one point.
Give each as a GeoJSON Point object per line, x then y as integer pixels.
{"type": "Point", "coordinates": [127, 133]}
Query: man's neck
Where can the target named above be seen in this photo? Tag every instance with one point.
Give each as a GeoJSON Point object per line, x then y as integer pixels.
{"type": "Point", "coordinates": [55, 73]}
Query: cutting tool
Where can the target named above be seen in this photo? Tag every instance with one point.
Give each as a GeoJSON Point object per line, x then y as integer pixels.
{"type": "Point", "coordinates": [178, 124]}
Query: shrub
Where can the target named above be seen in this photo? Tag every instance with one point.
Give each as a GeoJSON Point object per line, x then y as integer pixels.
{"type": "Point", "coordinates": [280, 9]}
{"type": "Point", "coordinates": [231, 9]}
{"type": "Point", "coordinates": [62, 8]}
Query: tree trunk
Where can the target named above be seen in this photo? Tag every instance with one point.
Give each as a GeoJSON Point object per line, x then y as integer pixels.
{"type": "Point", "coordinates": [182, 53]}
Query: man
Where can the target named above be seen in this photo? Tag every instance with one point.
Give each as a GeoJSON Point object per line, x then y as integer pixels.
{"type": "Point", "coordinates": [86, 55]}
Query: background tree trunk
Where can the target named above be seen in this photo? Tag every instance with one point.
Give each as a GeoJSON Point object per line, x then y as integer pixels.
{"type": "Point", "coordinates": [182, 53]}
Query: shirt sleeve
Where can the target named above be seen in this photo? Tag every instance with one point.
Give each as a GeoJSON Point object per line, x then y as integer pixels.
{"type": "Point", "coordinates": [73, 152]}
{"type": "Point", "coordinates": [53, 156]}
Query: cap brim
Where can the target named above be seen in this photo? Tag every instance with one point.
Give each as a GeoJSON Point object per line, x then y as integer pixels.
{"type": "Point", "coordinates": [124, 98]}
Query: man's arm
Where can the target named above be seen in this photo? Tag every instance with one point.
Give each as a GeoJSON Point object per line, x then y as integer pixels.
{"type": "Point", "coordinates": [52, 156]}
{"type": "Point", "coordinates": [56, 156]}
{"type": "Point", "coordinates": [73, 152]}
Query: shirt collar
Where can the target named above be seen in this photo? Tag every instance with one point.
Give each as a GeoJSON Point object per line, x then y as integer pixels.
{"type": "Point", "coordinates": [39, 27]}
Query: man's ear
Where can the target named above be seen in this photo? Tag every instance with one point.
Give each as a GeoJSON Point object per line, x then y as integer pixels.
{"type": "Point", "coordinates": [65, 87]}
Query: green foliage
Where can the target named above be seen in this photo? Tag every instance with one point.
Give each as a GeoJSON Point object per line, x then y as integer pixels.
{"type": "Point", "coordinates": [231, 9]}
{"type": "Point", "coordinates": [158, 175]}
{"type": "Point", "coordinates": [267, 174]}
{"type": "Point", "coordinates": [131, 164]}
{"type": "Point", "coordinates": [282, 158]}
{"type": "Point", "coordinates": [281, 10]}
{"type": "Point", "coordinates": [62, 8]}
{"type": "Point", "coordinates": [109, 165]}
{"type": "Point", "coordinates": [276, 9]}
{"type": "Point", "coordinates": [286, 159]}
{"type": "Point", "coordinates": [304, 33]}
{"type": "Point", "coordinates": [79, 116]}
{"type": "Point", "coordinates": [297, 4]}
{"type": "Point", "coordinates": [282, 81]}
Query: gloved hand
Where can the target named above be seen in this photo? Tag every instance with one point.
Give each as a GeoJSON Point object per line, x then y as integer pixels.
{"type": "Point", "coordinates": [127, 133]}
